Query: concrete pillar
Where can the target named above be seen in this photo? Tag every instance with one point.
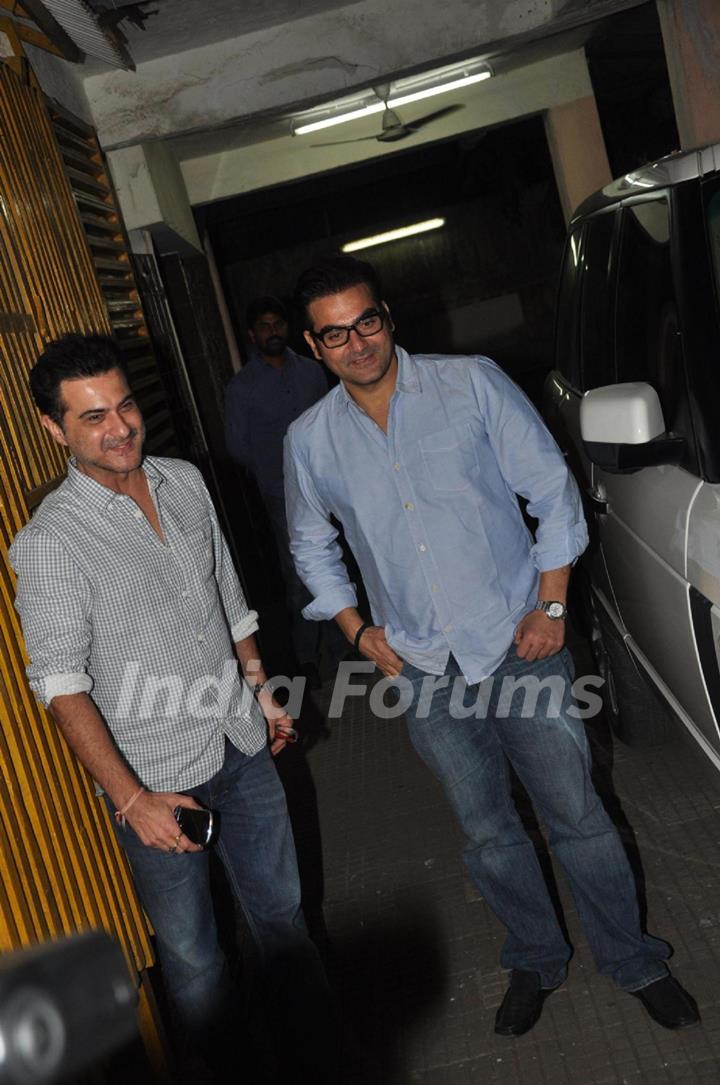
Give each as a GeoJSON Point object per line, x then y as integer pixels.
{"type": "Point", "coordinates": [232, 343]}
{"type": "Point", "coordinates": [152, 196]}
{"type": "Point", "coordinates": [578, 151]}
{"type": "Point", "coordinates": [691, 33]}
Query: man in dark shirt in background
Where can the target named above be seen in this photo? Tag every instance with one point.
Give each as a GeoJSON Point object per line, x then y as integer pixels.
{"type": "Point", "coordinates": [272, 389]}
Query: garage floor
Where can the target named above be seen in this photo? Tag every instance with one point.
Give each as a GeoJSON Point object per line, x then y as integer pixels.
{"type": "Point", "coordinates": [414, 949]}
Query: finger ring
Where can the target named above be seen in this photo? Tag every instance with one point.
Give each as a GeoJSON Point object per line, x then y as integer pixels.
{"type": "Point", "coordinates": [177, 839]}
{"type": "Point", "coordinates": [173, 849]}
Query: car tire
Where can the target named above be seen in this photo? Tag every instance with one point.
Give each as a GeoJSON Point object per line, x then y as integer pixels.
{"type": "Point", "coordinates": [635, 713]}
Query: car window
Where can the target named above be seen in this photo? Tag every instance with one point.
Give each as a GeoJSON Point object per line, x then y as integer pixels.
{"type": "Point", "coordinates": [648, 345]}
{"type": "Point", "coordinates": [567, 322]}
{"type": "Point", "coordinates": [597, 364]}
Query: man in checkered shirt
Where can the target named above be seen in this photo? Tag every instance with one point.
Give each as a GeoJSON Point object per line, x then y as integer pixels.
{"type": "Point", "coordinates": [135, 621]}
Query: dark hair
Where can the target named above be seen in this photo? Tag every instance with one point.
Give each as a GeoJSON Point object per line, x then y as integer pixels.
{"type": "Point", "coordinates": [332, 275]}
{"type": "Point", "coordinates": [265, 304]}
{"type": "Point", "coordinates": [69, 358]}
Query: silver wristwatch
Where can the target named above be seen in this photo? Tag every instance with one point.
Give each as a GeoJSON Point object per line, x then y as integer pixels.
{"type": "Point", "coordinates": [552, 608]}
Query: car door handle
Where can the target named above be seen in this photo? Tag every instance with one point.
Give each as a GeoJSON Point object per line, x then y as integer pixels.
{"type": "Point", "coordinates": [598, 500]}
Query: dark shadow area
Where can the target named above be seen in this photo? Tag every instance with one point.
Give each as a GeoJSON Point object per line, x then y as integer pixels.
{"type": "Point", "coordinates": [301, 795]}
{"type": "Point", "coordinates": [389, 981]}
{"type": "Point", "coordinates": [484, 283]}
{"type": "Point", "coordinates": [129, 1065]}
{"type": "Point", "coordinates": [630, 79]}
{"type": "Point", "coordinates": [601, 742]}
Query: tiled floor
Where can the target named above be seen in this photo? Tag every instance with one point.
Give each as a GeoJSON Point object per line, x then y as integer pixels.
{"type": "Point", "coordinates": [415, 950]}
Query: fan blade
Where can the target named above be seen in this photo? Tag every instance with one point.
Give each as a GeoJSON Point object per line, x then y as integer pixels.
{"type": "Point", "coordinates": [415, 126]}
{"type": "Point", "coordinates": [339, 142]}
{"type": "Point", "coordinates": [392, 135]}
{"type": "Point", "coordinates": [391, 132]}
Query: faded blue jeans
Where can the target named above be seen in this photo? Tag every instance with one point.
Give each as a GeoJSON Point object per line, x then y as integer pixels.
{"type": "Point", "coordinates": [255, 845]}
{"type": "Point", "coordinates": [552, 759]}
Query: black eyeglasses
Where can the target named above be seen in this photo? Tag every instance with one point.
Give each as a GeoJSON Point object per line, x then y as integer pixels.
{"type": "Point", "coordinates": [369, 323]}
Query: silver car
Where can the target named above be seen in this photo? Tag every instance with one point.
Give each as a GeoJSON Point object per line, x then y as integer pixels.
{"type": "Point", "coordinates": [635, 404]}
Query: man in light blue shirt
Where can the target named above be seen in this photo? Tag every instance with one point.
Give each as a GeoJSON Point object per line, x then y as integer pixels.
{"type": "Point", "coordinates": [421, 458]}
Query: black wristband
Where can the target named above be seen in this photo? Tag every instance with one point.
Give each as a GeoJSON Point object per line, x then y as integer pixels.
{"type": "Point", "coordinates": [361, 630]}
{"type": "Point", "coordinates": [261, 687]}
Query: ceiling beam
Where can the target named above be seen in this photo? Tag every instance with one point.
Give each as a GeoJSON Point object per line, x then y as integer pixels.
{"type": "Point", "coordinates": [52, 29]}
{"type": "Point", "coordinates": [31, 36]}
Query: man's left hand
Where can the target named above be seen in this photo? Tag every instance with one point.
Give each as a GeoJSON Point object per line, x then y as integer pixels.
{"type": "Point", "coordinates": [538, 636]}
{"type": "Point", "coordinates": [281, 727]}
{"type": "Point", "coordinates": [282, 731]}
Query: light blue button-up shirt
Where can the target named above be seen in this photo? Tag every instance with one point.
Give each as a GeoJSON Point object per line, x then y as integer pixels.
{"type": "Point", "coordinates": [430, 509]}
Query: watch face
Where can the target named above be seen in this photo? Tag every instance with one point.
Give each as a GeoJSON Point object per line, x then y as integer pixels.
{"type": "Point", "coordinates": [555, 610]}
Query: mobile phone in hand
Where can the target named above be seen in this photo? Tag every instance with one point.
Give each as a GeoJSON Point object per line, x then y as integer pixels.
{"type": "Point", "coordinates": [197, 825]}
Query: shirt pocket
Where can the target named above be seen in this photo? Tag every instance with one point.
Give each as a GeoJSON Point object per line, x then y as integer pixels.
{"type": "Point", "coordinates": [197, 548]}
{"type": "Point", "coordinates": [450, 458]}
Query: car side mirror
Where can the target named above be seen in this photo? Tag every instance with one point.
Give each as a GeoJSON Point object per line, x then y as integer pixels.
{"type": "Point", "coordinates": [623, 428]}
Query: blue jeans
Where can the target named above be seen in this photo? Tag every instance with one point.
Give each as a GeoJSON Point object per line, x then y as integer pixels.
{"type": "Point", "coordinates": [256, 847]}
{"type": "Point", "coordinates": [551, 757]}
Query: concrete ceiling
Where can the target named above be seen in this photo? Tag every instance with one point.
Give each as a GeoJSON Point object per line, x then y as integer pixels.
{"type": "Point", "coordinates": [181, 25]}
{"type": "Point", "coordinates": [263, 128]}
{"type": "Point", "coordinates": [323, 50]}
{"type": "Point", "coordinates": [217, 83]}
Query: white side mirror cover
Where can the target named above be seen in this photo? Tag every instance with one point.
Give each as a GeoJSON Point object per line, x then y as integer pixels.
{"type": "Point", "coordinates": [621, 414]}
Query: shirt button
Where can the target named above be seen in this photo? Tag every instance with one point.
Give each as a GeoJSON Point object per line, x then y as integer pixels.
{"type": "Point", "coordinates": [185, 594]}
{"type": "Point", "coordinates": [201, 637]}
{"type": "Point", "coordinates": [436, 587]}
{"type": "Point", "coordinates": [396, 466]}
{"type": "Point", "coordinates": [409, 506]}
{"type": "Point", "coordinates": [422, 547]}
{"type": "Point", "coordinates": [447, 629]}
{"type": "Point", "coordinates": [138, 514]}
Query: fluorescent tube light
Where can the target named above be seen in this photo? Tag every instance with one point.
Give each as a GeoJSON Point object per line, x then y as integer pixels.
{"type": "Point", "coordinates": [394, 235]}
{"type": "Point", "coordinates": [430, 92]}
{"type": "Point", "coordinates": [328, 122]}
{"type": "Point", "coordinates": [399, 99]}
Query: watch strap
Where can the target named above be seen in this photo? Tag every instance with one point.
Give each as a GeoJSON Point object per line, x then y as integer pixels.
{"type": "Point", "coordinates": [545, 606]}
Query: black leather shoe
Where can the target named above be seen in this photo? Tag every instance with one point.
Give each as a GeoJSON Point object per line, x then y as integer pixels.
{"type": "Point", "coordinates": [668, 1003]}
{"type": "Point", "coordinates": [522, 1005]}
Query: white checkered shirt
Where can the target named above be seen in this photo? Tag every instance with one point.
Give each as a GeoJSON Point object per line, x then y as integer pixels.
{"type": "Point", "coordinates": [145, 627]}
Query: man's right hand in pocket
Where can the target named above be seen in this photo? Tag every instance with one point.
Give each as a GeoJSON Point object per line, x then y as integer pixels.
{"type": "Point", "coordinates": [374, 646]}
{"type": "Point", "coordinates": [151, 816]}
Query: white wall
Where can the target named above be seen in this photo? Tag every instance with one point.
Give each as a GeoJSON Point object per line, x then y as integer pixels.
{"type": "Point", "coordinates": [151, 192]}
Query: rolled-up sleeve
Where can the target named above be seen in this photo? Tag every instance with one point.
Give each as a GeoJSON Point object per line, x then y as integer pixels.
{"type": "Point", "coordinates": [534, 467]}
{"type": "Point", "coordinates": [313, 542]}
{"type": "Point", "coordinates": [54, 601]}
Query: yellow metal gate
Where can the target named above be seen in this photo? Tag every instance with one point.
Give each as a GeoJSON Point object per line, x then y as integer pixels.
{"type": "Point", "coordinates": [60, 868]}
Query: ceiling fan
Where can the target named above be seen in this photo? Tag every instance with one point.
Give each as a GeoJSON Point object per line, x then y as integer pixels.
{"type": "Point", "coordinates": [392, 128]}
